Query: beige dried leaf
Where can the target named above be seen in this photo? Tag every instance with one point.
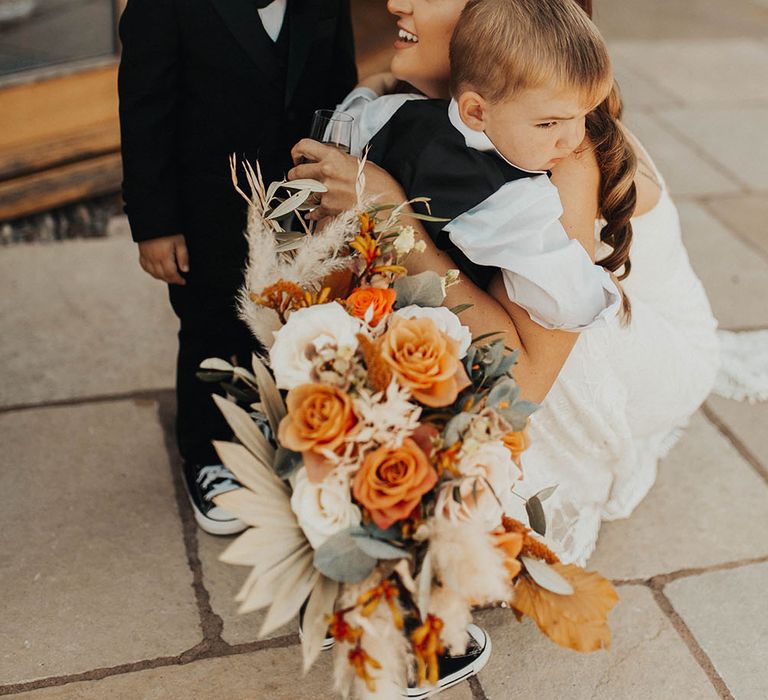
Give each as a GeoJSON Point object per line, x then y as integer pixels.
{"type": "Point", "coordinates": [315, 626]}
{"type": "Point", "coordinates": [271, 400]}
{"type": "Point", "coordinates": [246, 430]}
{"type": "Point", "coordinates": [252, 472]}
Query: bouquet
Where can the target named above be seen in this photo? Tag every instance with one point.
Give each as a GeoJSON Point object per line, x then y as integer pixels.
{"type": "Point", "coordinates": [378, 448]}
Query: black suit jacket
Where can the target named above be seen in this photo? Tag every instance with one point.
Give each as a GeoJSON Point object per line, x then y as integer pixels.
{"type": "Point", "coordinates": [200, 79]}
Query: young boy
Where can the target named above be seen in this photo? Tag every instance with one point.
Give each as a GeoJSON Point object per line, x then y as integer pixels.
{"type": "Point", "coordinates": [524, 75]}
{"type": "Point", "coordinates": [198, 81]}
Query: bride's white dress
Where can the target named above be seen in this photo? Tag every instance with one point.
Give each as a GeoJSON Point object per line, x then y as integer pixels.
{"type": "Point", "coordinates": [624, 393]}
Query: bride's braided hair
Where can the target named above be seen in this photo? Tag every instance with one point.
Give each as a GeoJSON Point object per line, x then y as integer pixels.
{"type": "Point", "coordinates": [500, 47]}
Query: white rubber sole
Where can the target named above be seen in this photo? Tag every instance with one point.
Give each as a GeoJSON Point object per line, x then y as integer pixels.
{"type": "Point", "coordinates": [217, 527]}
{"type": "Point", "coordinates": [483, 640]}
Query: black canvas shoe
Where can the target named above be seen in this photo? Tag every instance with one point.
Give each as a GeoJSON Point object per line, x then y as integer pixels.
{"type": "Point", "coordinates": [328, 642]}
{"type": "Point", "coordinates": [455, 669]}
{"type": "Point", "coordinates": [203, 483]}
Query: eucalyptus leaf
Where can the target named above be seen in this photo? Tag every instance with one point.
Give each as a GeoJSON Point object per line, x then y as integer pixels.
{"type": "Point", "coordinates": [543, 574]}
{"type": "Point", "coordinates": [460, 307]}
{"type": "Point", "coordinates": [287, 206]}
{"type": "Point", "coordinates": [372, 530]}
{"type": "Point", "coordinates": [287, 462]}
{"type": "Point", "coordinates": [239, 393]}
{"type": "Point", "coordinates": [505, 391]}
{"type": "Point", "coordinates": [424, 289]}
{"type": "Point", "coordinates": [213, 377]}
{"type": "Point", "coordinates": [536, 518]}
{"type": "Point", "coordinates": [379, 549]}
{"type": "Point", "coordinates": [544, 494]}
{"type": "Point", "coordinates": [340, 559]}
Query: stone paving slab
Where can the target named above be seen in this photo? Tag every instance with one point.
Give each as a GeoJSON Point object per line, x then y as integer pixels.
{"type": "Point", "coordinates": [682, 167]}
{"type": "Point", "coordinates": [699, 70]}
{"type": "Point", "coordinates": [82, 319]}
{"type": "Point", "coordinates": [728, 615]}
{"type": "Point", "coordinates": [647, 659]}
{"type": "Point", "coordinates": [223, 581]}
{"type": "Point", "coordinates": [97, 574]}
{"type": "Point", "coordinates": [733, 136]}
{"type": "Point", "coordinates": [270, 674]}
{"type": "Point", "coordinates": [734, 275]}
{"type": "Point", "coordinates": [639, 92]}
{"type": "Point", "coordinates": [687, 520]}
{"type": "Point", "coordinates": [747, 422]}
{"type": "Point", "coordinates": [746, 215]}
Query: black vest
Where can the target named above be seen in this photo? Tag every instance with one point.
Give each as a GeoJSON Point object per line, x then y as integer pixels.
{"type": "Point", "coordinates": [429, 157]}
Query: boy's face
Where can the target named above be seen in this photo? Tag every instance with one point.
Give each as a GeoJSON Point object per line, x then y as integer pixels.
{"type": "Point", "coordinates": [535, 129]}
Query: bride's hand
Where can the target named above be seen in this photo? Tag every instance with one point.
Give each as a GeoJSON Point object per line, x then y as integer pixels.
{"type": "Point", "coordinates": [338, 172]}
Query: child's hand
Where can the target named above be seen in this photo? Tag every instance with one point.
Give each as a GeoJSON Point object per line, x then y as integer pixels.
{"type": "Point", "coordinates": [164, 258]}
{"type": "Point", "coordinates": [380, 83]}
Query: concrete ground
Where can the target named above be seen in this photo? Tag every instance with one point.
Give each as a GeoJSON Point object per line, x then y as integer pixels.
{"type": "Point", "coordinates": [109, 590]}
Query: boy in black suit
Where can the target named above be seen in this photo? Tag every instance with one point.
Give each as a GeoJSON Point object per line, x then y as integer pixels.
{"type": "Point", "coordinates": [198, 80]}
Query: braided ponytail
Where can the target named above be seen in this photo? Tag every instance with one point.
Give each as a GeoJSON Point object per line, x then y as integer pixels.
{"type": "Point", "coordinates": [617, 163]}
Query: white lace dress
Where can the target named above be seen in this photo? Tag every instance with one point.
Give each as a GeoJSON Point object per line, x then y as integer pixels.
{"type": "Point", "coordinates": [624, 393]}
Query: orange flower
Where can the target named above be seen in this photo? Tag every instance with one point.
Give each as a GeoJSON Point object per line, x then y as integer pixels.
{"type": "Point", "coordinates": [426, 647]}
{"type": "Point", "coordinates": [359, 658]}
{"type": "Point", "coordinates": [319, 418]}
{"type": "Point", "coordinates": [516, 442]}
{"type": "Point", "coordinates": [362, 299]}
{"type": "Point", "coordinates": [391, 482]}
{"type": "Point", "coordinates": [511, 543]}
{"type": "Point", "coordinates": [424, 360]}
{"type": "Point", "coordinates": [577, 621]}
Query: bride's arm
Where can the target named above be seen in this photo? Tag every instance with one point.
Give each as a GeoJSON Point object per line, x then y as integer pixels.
{"type": "Point", "coordinates": [542, 352]}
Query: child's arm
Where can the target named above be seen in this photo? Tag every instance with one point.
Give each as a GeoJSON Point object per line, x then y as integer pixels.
{"type": "Point", "coordinates": [148, 83]}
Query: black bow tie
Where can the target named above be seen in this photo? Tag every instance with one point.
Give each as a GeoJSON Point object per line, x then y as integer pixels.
{"type": "Point", "coordinates": [261, 4]}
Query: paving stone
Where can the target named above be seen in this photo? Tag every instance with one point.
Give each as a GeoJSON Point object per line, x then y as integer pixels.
{"type": "Point", "coordinates": [733, 136]}
{"type": "Point", "coordinates": [81, 319]}
{"type": "Point", "coordinates": [684, 170]}
{"type": "Point", "coordinates": [701, 70]}
{"type": "Point", "coordinates": [223, 581]}
{"type": "Point", "coordinates": [748, 423]}
{"type": "Point", "coordinates": [734, 275]}
{"type": "Point", "coordinates": [97, 575]}
{"type": "Point", "coordinates": [687, 520]}
{"type": "Point", "coordinates": [746, 215]}
{"type": "Point", "coordinates": [727, 614]}
{"type": "Point", "coordinates": [638, 91]}
{"type": "Point", "coordinates": [647, 659]}
{"type": "Point", "coordinates": [270, 674]}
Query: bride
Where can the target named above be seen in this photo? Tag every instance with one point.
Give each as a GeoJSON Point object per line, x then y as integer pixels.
{"type": "Point", "coordinates": [615, 397]}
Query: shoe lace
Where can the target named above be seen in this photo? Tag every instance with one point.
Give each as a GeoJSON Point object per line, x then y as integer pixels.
{"type": "Point", "coordinates": [215, 479]}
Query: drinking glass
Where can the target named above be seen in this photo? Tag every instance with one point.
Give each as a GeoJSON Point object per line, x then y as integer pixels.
{"type": "Point", "coordinates": [333, 128]}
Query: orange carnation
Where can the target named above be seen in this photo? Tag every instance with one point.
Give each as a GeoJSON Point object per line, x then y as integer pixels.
{"type": "Point", "coordinates": [424, 360]}
{"type": "Point", "coordinates": [391, 482]}
{"type": "Point", "coordinates": [363, 298]}
{"type": "Point", "coordinates": [319, 418]}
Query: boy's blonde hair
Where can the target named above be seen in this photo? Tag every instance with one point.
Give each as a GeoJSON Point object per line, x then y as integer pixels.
{"type": "Point", "coordinates": [500, 47]}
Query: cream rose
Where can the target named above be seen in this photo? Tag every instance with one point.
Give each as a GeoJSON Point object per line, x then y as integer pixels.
{"type": "Point", "coordinates": [446, 321]}
{"type": "Point", "coordinates": [324, 508]}
{"type": "Point", "coordinates": [308, 331]}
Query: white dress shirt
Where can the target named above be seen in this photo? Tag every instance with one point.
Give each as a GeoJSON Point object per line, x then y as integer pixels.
{"type": "Point", "coordinates": [272, 17]}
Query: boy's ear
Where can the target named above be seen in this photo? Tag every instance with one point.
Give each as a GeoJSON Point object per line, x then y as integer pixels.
{"type": "Point", "coordinates": [472, 109]}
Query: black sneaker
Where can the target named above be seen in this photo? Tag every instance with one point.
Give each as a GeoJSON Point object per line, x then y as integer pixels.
{"type": "Point", "coordinates": [328, 642]}
{"type": "Point", "coordinates": [203, 483]}
{"type": "Point", "coordinates": [455, 669]}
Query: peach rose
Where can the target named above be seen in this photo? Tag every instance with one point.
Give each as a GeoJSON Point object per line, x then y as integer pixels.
{"type": "Point", "coordinates": [362, 299]}
{"type": "Point", "coordinates": [319, 418]}
{"type": "Point", "coordinates": [425, 360]}
{"type": "Point", "coordinates": [391, 482]}
{"type": "Point", "coordinates": [516, 442]}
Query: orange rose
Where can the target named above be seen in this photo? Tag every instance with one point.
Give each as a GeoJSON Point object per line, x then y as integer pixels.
{"type": "Point", "coordinates": [424, 360]}
{"type": "Point", "coordinates": [391, 482]}
{"type": "Point", "coordinates": [319, 418]}
{"type": "Point", "coordinates": [364, 298]}
{"type": "Point", "coordinates": [516, 442]}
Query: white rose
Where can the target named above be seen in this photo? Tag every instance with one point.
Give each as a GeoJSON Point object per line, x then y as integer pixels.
{"type": "Point", "coordinates": [321, 326]}
{"type": "Point", "coordinates": [484, 496]}
{"type": "Point", "coordinates": [323, 509]}
{"type": "Point", "coordinates": [447, 321]}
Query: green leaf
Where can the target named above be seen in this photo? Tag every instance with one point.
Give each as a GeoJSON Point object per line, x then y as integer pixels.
{"type": "Point", "coordinates": [213, 377]}
{"type": "Point", "coordinates": [379, 549]}
{"type": "Point", "coordinates": [460, 307]}
{"type": "Point", "coordinates": [504, 391]}
{"type": "Point", "coordinates": [536, 518]}
{"type": "Point", "coordinates": [543, 574]}
{"type": "Point", "coordinates": [287, 462]}
{"type": "Point", "coordinates": [340, 559]}
{"type": "Point", "coordinates": [518, 414]}
{"type": "Point", "coordinates": [424, 289]}
{"type": "Point", "coordinates": [544, 494]}
{"type": "Point", "coordinates": [456, 494]}
{"type": "Point", "coordinates": [238, 393]}
{"type": "Point", "coordinates": [372, 530]}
